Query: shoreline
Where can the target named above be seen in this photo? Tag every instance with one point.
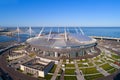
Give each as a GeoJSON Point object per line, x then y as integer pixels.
{"type": "Point", "coordinates": [24, 75]}
{"type": "Point", "coordinates": [6, 43]}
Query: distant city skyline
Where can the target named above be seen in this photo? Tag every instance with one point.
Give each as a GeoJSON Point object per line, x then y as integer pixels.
{"type": "Point", "coordinates": [88, 13]}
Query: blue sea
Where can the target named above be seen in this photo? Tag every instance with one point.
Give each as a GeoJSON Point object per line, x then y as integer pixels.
{"type": "Point", "coordinates": [90, 31]}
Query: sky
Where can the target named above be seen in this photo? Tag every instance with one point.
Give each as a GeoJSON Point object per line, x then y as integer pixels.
{"type": "Point", "coordinates": [89, 13]}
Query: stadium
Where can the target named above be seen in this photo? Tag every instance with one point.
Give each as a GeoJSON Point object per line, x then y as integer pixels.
{"type": "Point", "coordinates": [65, 54]}
{"type": "Point", "coordinates": [63, 44]}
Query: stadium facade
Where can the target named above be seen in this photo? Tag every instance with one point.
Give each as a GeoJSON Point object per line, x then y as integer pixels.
{"type": "Point", "coordinates": [62, 44]}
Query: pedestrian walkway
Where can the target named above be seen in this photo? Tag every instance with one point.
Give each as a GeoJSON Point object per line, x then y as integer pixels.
{"type": "Point", "coordinates": [62, 75]}
{"type": "Point", "coordinates": [102, 71]}
{"type": "Point", "coordinates": [114, 65]}
{"type": "Point", "coordinates": [79, 74]}
{"type": "Point", "coordinates": [57, 70]}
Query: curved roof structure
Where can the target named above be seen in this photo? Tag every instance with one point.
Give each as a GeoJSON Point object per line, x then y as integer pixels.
{"type": "Point", "coordinates": [61, 40]}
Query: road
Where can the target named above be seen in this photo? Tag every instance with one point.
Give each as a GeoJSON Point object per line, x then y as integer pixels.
{"type": "Point", "coordinates": [79, 74]}
{"type": "Point", "coordinates": [57, 70]}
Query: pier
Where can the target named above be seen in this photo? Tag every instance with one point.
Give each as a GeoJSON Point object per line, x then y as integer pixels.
{"type": "Point", "coordinates": [106, 38]}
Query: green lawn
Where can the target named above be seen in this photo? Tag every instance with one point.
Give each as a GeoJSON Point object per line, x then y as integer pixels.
{"type": "Point", "coordinates": [64, 61]}
{"type": "Point", "coordinates": [97, 58]}
{"type": "Point", "coordinates": [81, 65]}
{"type": "Point", "coordinates": [70, 78]}
{"type": "Point", "coordinates": [112, 70]}
{"type": "Point", "coordinates": [101, 55]}
{"type": "Point", "coordinates": [70, 60]}
{"type": "Point", "coordinates": [106, 67]}
{"type": "Point", "coordinates": [58, 78]}
{"type": "Point", "coordinates": [69, 65]}
{"type": "Point", "coordinates": [93, 77]}
{"type": "Point", "coordinates": [53, 69]}
{"type": "Point", "coordinates": [111, 61]}
{"type": "Point", "coordinates": [48, 77]}
{"type": "Point", "coordinates": [98, 63]}
{"type": "Point", "coordinates": [78, 61]}
{"type": "Point", "coordinates": [90, 64]}
{"type": "Point", "coordinates": [89, 70]}
{"type": "Point", "coordinates": [102, 60]}
{"type": "Point", "coordinates": [32, 54]}
{"type": "Point", "coordinates": [60, 71]}
{"type": "Point", "coordinates": [70, 71]}
{"type": "Point", "coordinates": [19, 47]}
{"type": "Point", "coordinates": [116, 56]}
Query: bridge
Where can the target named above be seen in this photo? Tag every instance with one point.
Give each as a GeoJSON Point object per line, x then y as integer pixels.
{"type": "Point", "coordinates": [17, 31]}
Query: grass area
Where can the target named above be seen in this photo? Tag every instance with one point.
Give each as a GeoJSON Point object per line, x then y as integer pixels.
{"type": "Point", "coordinates": [93, 77]}
{"type": "Point", "coordinates": [106, 67]}
{"type": "Point", "coordinates": [110, 61]}
{"type": "Point", "coordinates": [69, 65]}
{"type": "Point", "coordinates": [48, 77]}
{"type": "Point", "coordinates": [18, 48]}
{"type": "Point", "coordinates": [70, 78]}
{"type": "Point", "coordinates": [70, 71]}
{"type": "Point", "coordinates": [32, 54]}
{"type": "Point", "coordinates": [57, 78]}
{"type": "Point", "coordinates": [78, 61]}
{"type": "Point", "coordinates": [101, 55]}
{"type": "Point", "coordinates": [112, 70]}
{"type": "Point", "coordinates": [53, 68]}
{"type": "Point", "coordinates": [81, 65]}
{"type": "Point", "coordinates": [97, 58]}
{"type": "Point", "coordinates": [115, 56]}
{"type": "Point", "coordinates": [64, 61]}
{"type": "Point", "coordinates": [70, 60]}
{"type": "Point", "coordinates": [105, 59]}
{"type": "Point", "coordinates": [102, 60]}
{"type": "Point", "coordinates": [89, 70]}
{"type": "Point", "coordinates": [60, 71]}
{"type": "Point", "coordinates": [90, 64]}
{"type": "Point", "coordinates": [110, 58]}
{"type": "Point", "coordinates": [98, 63]}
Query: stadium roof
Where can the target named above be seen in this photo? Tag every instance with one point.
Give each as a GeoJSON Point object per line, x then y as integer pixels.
{"type": "Point", "coordinates": [61, 40]}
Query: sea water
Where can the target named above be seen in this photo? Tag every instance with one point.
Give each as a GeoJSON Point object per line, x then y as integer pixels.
{"type": "Point", "coordinates": [89, 31]}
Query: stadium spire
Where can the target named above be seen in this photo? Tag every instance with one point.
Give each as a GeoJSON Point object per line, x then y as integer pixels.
{"type": "Point", "coordinates": [49, 34]}
{"type": "Point", "coordinates": [18, 32]}
{"type": "Point", "coordinates": [30, 31]}
{"type": "Point", "coordinates": [65, 34]}
{"type": "Point", "coordinates": [40, 32]}
{"type": "Point", "coordinates": [58, 30]}
{"type": "Point", "coordinates": [81, 31]}
{"type": "Point", "coordinates": [76, 30]}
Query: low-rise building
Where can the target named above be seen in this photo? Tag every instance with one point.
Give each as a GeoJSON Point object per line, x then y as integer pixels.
{"type": "Point", "coordinates": [37, 67]}
{"type": "Point", "coordinates": [16, 54]}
